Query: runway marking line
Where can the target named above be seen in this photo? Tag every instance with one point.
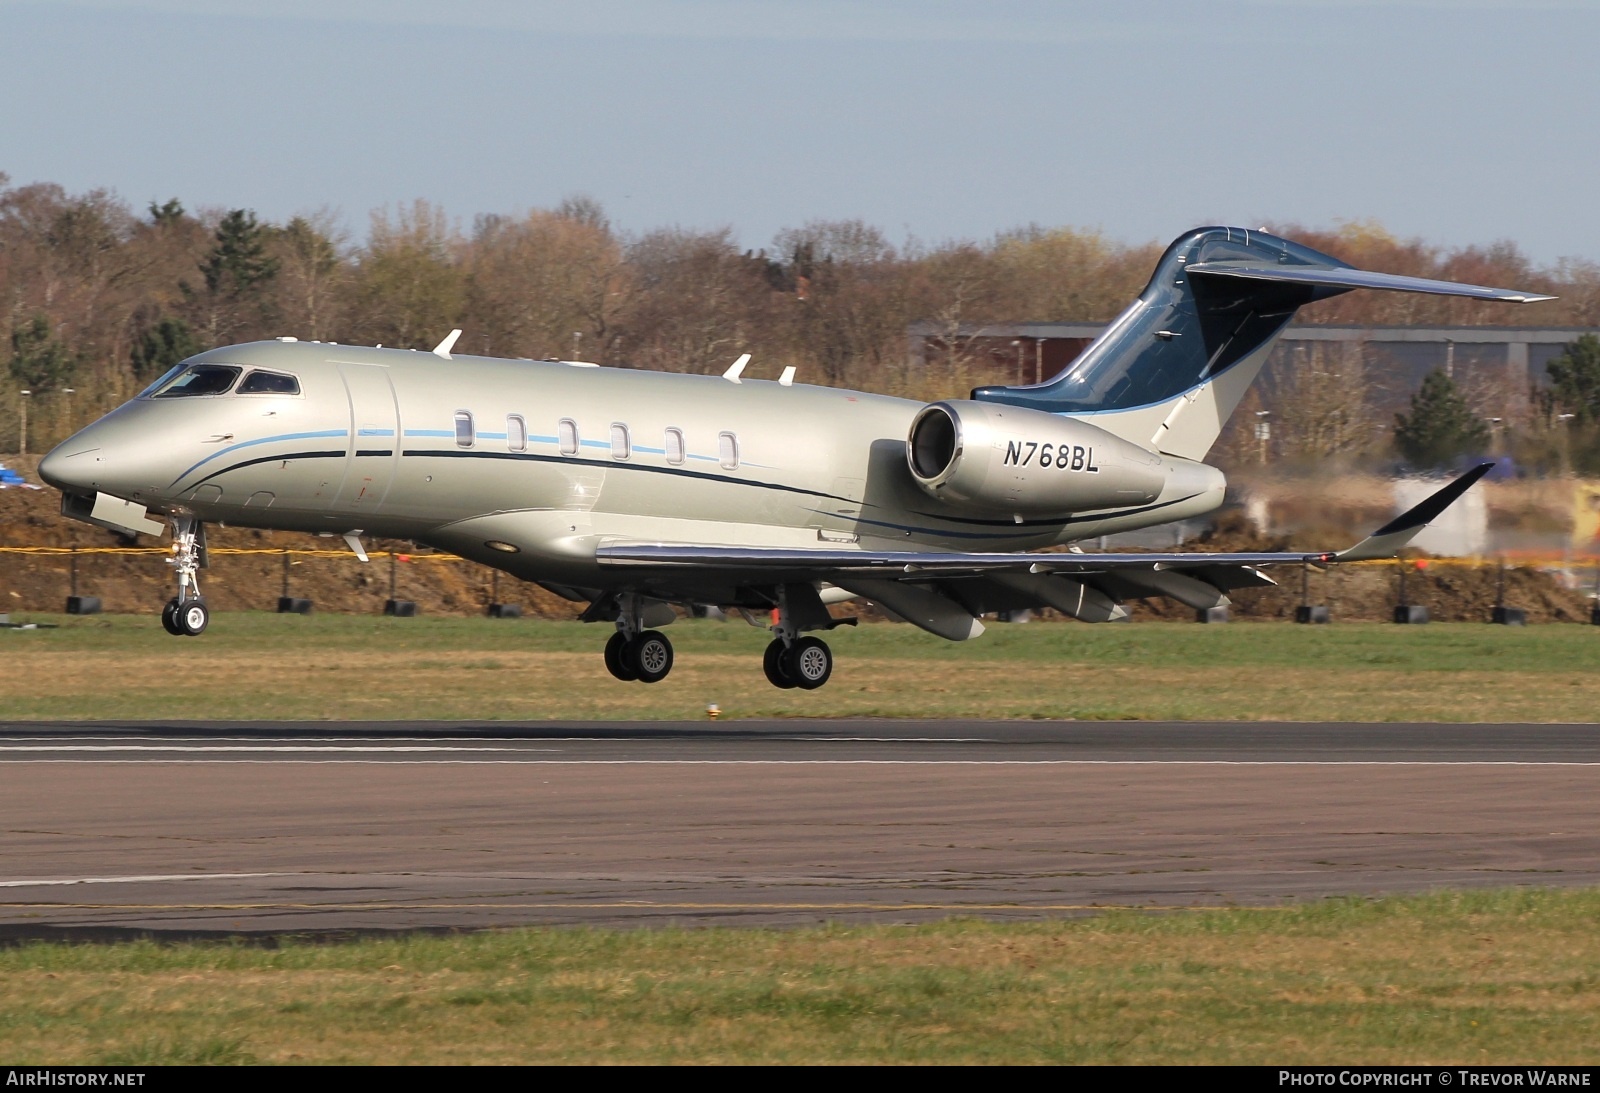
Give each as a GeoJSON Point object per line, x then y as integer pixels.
{"type": "Point", "coordinates": [55, 881]}
{"type": "Point", "coordinates": [831, 762]}
{"type": "Point", "coordinates": [258, 748]}
{"type": "Point", "coordinates": [634, 905]}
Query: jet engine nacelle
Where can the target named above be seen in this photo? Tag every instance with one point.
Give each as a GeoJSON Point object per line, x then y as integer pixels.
{"type": "Point", "coordinates": [1006, 459]}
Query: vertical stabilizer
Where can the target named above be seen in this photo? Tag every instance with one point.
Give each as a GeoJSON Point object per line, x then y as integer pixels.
{"type": "Point", "coordinates": [1169, 372]}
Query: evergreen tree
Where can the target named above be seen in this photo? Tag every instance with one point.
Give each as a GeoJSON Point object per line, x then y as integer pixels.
{"type": "Point", "coordinates": [38, 360]}
{"type": "Point", "coordinates": [1575, 380]}
{"type": "Point", "coordinates": [170, 213]}
{"type": "Point", "coordinates": [239, 263]}
{"type": "Point", "coordinates": [237, 271]}
{"type": "Point", "coordinates": [1441, 426]}
{"type": "Point", "coordinates": [159, 347]}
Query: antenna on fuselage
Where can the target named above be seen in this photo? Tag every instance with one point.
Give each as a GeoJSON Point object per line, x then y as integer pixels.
{"type": "Point", "coordinates": [736, 368]}
{"type": "Point", "coordinates": [449, 343]}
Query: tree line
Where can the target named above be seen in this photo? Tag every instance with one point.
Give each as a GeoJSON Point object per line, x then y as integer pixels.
{"type": "Point", "coordinates": [100, 297]}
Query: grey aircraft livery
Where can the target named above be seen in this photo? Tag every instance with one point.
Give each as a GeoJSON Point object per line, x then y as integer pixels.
{"type": "Point", "coordinates": [634, 492]}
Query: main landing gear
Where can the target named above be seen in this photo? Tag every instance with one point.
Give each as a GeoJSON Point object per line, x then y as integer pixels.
{"type": "Point", "coordinates": [807, 663]}
{"type": "Point", "coordinates": [634, 653]}
{"type": "Point", "coordinates": [792, 660]}
{"type": "Point", "coordinates": [186, 614]}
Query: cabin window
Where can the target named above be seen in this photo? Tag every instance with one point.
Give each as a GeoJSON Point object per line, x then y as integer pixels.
{"type": "Point", "coordinates": [728, 451]}
{"type": "Point", "coordinates": [620, 446]}
{"type": "Point", "coordinates": [269, 383]}
{"type": "Point", "coordinates": [463, 429]}
{"type": "Point", "coordinates": [675, 450]}
{"type": "Point", "coordinates": [201, 379]}
{"type": "Point", "coordinates": [568, 431]}
{"type": "Point", "coordinates": [516, 433]}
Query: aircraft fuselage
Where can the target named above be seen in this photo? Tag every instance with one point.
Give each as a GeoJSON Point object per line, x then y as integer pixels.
{"type": "Point", "coordinates": [529, 465]}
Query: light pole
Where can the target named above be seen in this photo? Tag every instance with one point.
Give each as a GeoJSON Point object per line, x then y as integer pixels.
{"type": "Point", "coordinates": [1018, 343]}
{"type": "Point", "coordinates": [69, 392]}
{"type": "Point", "coordinates": [577, 345]}
{"type": "Point", "coordinates": [24, 402]}
{"type": "Point", "coordinates": [1263, 434]}
{"type": "Point", "coordinates": [1566, 442]}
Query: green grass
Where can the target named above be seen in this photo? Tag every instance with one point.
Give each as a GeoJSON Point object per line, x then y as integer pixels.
{"type": "Point", "coordinates": [270, 666]}
{"type": "Point", "coordinates": [1499, 976]}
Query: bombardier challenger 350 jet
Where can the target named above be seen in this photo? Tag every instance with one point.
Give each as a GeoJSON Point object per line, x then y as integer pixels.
{"type": "Point", "coordinates": [636, 491]}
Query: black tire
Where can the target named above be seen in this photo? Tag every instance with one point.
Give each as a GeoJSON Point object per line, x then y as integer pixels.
{"type": "Point", "coordinates": [651, 654]}
{"type": "Point", "coordinates": [809, 662]}
{"type": "Point", "coordinates": [772, 664]}
{"type": "Point", "coordinates": [617, 660]}
{"type": "Point", "coordinates": [193, 617]}
{"type": "Point", "coordinates": [169, 618]}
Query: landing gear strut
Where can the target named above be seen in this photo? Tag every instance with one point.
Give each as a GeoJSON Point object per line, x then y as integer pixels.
{"type": "Point", "coordinates": [186, 614]}
{"type": "Point", "coordinates": [634, 653]}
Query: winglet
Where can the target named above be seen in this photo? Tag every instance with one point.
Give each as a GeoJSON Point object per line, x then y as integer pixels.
{"type": "Point", "coordinates": [736, 368]}
{"type": "Point", "coordinates": [449, 343]}
{"type": "Point", "coordinates": [1388, 540]}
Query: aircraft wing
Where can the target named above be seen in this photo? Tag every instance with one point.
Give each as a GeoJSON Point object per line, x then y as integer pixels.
{"type": "Point", "coordinates": [825, 564]}
{"type": "Point", "coordinates": [920, 565]}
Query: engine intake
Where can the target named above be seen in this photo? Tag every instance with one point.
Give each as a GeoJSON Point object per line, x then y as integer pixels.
{"type": "Point", "coordinates": [1020, 462]}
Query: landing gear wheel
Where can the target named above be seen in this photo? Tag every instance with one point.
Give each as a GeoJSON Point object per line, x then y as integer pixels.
{"type": "Point", "coordinates": [772, 664]}
{"type": "Point", "coordinates": [169, 618]}
{"type": "Point", "coordinates": [618, 661]}
{"type": "Point", "coordinates": [192, 618]}
{"type": "Point", "coordinates": [651, 654]}
{"type": "Point", "coordinates": [809, 662]}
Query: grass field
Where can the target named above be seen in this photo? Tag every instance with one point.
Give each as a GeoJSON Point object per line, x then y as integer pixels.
{"type": "Point", "coordinates": [270, 666]}
{"type": "Point", "coordinates": [1487, 977]}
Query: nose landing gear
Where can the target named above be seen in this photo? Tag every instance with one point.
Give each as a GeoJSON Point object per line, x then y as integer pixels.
{"type": "Point", "coordinates": [186, 614]}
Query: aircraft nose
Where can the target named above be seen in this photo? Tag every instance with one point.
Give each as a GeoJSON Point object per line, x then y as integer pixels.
{"type": "Point", "coordinates": [72, 468]}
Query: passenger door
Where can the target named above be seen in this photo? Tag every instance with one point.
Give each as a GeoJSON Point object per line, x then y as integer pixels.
{"type": "Point", "coordinates": [374, 452]}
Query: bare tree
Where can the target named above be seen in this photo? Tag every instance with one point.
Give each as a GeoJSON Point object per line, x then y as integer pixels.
{"type": "Point", "coordinates": [409, 285]}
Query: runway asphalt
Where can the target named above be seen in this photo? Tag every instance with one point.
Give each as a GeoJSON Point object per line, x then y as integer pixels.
{"type": "Point", "coordinates": [194, 829]}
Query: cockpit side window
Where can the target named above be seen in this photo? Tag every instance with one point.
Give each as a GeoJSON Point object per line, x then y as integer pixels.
{"type": "Point", "coordinates": [269, 383]}
{"type": "Point", "coordinates": [201, 379]}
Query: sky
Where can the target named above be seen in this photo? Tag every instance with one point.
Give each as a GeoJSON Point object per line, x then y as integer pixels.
{"type": "Point", "coordinates": [1458, 122]}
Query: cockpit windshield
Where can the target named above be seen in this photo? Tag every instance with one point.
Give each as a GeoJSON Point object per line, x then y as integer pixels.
{"type": "Point", "coordinates": [199, 379]}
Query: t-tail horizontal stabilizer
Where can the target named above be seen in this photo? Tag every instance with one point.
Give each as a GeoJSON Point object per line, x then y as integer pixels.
{"type": "Point", "coordinates": [1390, 539]}
{"type": "Point", "coordinates": [1361, 278]}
